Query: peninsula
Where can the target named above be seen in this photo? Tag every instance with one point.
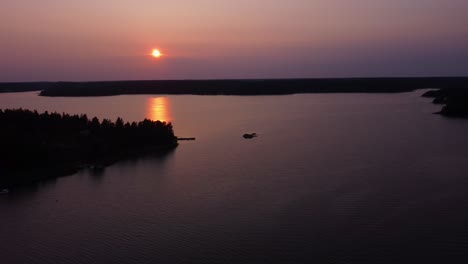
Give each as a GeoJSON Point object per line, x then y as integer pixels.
{"type": "Point", "coordinates": [37, 146]}
{"type": "Point", "coordinates": [454, 101]}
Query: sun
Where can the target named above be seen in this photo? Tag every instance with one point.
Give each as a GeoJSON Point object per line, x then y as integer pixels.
{"type": "Point", "coordinates": [156, 53]}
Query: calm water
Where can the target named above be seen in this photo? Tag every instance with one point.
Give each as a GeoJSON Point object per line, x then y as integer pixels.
{"type": "Point", "coordinates": [332, 178]}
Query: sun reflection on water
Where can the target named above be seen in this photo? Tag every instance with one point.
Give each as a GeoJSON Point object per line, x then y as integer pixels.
{"type": "Point", "coordinates": [158, 109]}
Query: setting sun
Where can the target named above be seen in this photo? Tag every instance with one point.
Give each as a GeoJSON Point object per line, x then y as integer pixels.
{"type": "Point", "coordinates": [156, 53]}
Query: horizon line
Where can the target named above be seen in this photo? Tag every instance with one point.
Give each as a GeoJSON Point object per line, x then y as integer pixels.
{"type": "Point", "coordinates": [244, 79]}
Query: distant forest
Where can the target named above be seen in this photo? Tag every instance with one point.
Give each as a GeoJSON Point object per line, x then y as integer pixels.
{"type": "Point", "coordinates": [238, 87]}
{"type": "Point", "coordinates": [35, 146]}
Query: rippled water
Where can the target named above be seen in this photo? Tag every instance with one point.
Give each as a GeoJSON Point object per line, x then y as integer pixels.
{"type": "Point", "coordinates": [332, 178]}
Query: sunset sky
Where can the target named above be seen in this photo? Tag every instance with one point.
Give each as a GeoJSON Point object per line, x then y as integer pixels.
{"type": "Point", "coordinates": [54, 40]}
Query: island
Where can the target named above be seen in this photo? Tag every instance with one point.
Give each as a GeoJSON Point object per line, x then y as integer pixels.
{"type": "Point", "coordinates": [38, 146]}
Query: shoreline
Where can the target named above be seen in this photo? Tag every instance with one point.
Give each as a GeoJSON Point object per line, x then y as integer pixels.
{"type": "Point", "coordinates": [37, 146]}
{"type": "Point", "coordinates": [454, 102]}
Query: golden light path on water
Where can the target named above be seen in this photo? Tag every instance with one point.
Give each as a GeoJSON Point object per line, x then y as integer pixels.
{"type": "Point", "coordinates": [158, 109]}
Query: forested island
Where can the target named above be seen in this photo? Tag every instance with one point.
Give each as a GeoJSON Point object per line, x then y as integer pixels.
{"type": "Point", "coordinates": [36, 145]}
{"type": "Point", "coordinates": [238, 87]}
{"type": "Point", "coordinates": [454, 101]}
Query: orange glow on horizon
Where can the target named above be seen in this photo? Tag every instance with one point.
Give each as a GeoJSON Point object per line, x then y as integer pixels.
{"type": "Point", "coordinates": [158, 109]}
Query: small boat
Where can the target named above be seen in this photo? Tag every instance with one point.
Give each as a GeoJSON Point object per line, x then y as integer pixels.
{"type": "Point", "coordinates": [4, 191]}
{"type": "Point", "coordinates": [249, 136]}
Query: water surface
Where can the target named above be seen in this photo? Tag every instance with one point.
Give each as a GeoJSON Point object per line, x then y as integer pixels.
{"type": "Point", "coordinates": [332, 178]}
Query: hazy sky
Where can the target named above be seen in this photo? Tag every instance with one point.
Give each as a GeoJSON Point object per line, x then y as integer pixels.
{"type": "Point", "coordinates": [54, 40]}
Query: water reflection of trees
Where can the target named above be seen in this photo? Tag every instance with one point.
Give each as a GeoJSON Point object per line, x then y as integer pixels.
{"type": "Point", "coordinates": [158, 158]}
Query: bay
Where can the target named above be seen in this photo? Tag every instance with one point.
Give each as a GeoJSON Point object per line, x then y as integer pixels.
{"type": "Point", "coordinates": [336, 178]}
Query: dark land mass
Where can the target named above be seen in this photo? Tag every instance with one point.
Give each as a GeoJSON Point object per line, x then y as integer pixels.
{"type": "Point", "coordinates": [453, 90]}
{"type": "Point", "coordinates": [24, 87]}
{"type": "Point", "coordinates": [40, 146]}
{"type": "Point", "coordinates": [454, 101]}
{"type": "Point", "coordinates": [239, 87]}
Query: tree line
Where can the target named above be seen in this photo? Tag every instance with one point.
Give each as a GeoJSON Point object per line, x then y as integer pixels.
{"type": "Point", "coordinates": [47, 142]}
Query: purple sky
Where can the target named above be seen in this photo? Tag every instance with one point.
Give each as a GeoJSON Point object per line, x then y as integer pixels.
{"type": "Point", "coordinates": [53, 40]}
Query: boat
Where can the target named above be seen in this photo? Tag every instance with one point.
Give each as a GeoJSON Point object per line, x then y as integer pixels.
{"type": "Point", "coordinates": [4, 191]}
{"type": "Point", "coordinates": [249, 136]}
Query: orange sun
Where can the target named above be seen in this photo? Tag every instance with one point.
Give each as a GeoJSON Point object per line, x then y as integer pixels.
{"type": "Point", "coordinates": [156, 53]}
